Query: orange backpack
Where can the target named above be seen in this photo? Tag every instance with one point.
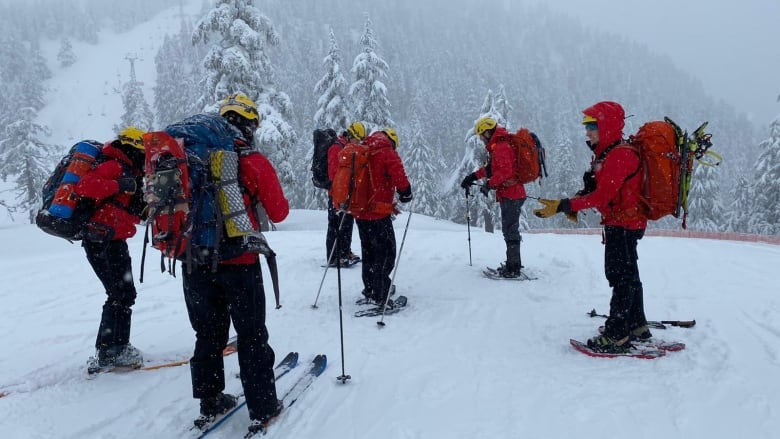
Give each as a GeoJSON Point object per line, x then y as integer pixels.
{"type": "Point", "coordinates": [659, 145]}
{"type": "Point", "coordinates": [352, 190]}
{"type": "Point", "coordinates": [530, 156]}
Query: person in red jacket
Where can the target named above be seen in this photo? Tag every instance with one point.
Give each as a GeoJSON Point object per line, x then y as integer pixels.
{"type": "Point", "coordinates": [612, 187]}
{"type": "Point", "coordinates": [377, 237]}
{"type": "Point", "coordinates": [234, 292]}
{"type": "Point", "coordinates": [115, 185]}
{"type": "Point", "coordinates": [355, 133]}
{"type": "Point", "coordinates": [510, 193]}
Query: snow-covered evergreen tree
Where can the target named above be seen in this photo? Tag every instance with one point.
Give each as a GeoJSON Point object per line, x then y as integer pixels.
{"type": "Point", "coordinates": [422, 166]}
{"type": "Point", "coordinates": [705, 213]}
{"type": "Point", "coordinates": [26, 159]}
{"type": "Point", "coordinates": [177, 89]}
{"type": "Point", "coordinates": [765, 214]}
{"type": "Point", "coordinates": [137, 111]}
{"type": "Point", "coordinates": [368, 94]}
{"type": "Point", "coordinates": [65, 56]}
{"type": "Point", "coordinates": [238, 62]}
{"type": "Point", "coordinates": [332, 111]}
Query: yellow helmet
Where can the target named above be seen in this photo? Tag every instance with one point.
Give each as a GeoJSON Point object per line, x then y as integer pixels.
{"type": "Point", "coordinates": [589, 119]}
{"type": "Point", "coordinates": [392, 135]}
{"type": "Point", "coordinates": [357, 130]}
{"type": "Point", "coordinates": [486, 123]}
{"type": "Point", "coordinates": [132, 136]}
{"type": "Point", "coordinates": [240, 104]}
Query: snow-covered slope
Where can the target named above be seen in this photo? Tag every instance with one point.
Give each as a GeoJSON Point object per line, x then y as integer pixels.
{"type": "Point", "coordinates": [470, 357]}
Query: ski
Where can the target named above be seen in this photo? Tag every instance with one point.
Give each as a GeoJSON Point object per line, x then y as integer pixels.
{"type": "Point", "coordinates": [398, 304]}
{"type": "Point", "coordinates": [93, 368]}
{"type": "Point", "coordinates": [492, 273]}
{"type": "Point", "coordinates": [287, 364]}
{"type": "Point", "coordinates": [315, 369]}
{"type": "Point", "coordinates": [644, 352]}
{"type": "Point", "coordinates": [653, 323]}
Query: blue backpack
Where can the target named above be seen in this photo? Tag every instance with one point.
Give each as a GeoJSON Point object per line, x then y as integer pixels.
{"type": "Point", "coordinates": [203, 134]}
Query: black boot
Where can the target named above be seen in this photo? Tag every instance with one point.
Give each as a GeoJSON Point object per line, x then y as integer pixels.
{"type": "Point", "coordinates": [214, 406]}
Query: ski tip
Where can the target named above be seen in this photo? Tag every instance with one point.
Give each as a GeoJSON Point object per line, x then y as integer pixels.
{"type": "Point", "coordinates": [319, 364]}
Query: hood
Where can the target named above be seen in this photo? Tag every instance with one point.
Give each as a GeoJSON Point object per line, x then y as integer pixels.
{"type": "Point", "coordinates": [377, 140]}
{"type": "Point", "coordinates": [610, 118]}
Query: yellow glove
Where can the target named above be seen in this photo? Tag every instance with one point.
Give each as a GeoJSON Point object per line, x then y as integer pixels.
{"type": "Point", "coordinates": [572, 216]}
{"type": "Point", "coordinates": [550, 208]}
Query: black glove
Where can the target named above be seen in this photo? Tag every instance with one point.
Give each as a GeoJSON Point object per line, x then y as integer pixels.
{"type": "Point", "coordinates": [127, 185]}
{"type": "Point", "coordinates": [405, 196]}
{"type": "Point", "coordinates": [468, 181]}
{"type": "Point", "coordinates": [485, 189]}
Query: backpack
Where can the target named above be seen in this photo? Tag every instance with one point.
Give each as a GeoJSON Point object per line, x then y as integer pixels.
{"type": "Point", "coordinates": [666, 156]}
{"type": "Point", "coordinates": [530, 156]}
{"type": "Point", "coordinates": [322, 139]}
{"type": "Point", "coordinates": [63, 213]}
{"type": "Point", "coordinates": [352, 190]}
{"type": "Point", "coordinates": [197, 210]}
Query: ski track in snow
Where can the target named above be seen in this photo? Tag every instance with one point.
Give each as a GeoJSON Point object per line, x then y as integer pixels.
{"type": "Point", "coordinates": [470, 357]}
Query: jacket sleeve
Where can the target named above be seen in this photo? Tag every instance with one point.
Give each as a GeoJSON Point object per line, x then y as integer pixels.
{"type": "Point", "coordinates": [502, 164]}
{"type": "Point", "coordinates": [101, 182]}
{"type": "Point", "coordinates": [619, 165]}
{"type": "Point", "coordinates": [395, 168]}
{"type": "Point", "coordinates": [259, 178]}
{"type": "Point", "coordinates": [333, 160]}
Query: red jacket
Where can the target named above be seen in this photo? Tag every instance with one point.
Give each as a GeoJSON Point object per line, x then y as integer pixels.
{"type": "Point", "coordinates": [501, 159]}
{"type": "Point", "coordinates": [387, 172]}
{"type": "Point", "coordinates": [258, 177]}
{"type": "Point", "coordinates": [615, 169]}
{"type": "Point", "coordinates": [333, 157]}
{"type": "Point", "coordinates": [102, 185]}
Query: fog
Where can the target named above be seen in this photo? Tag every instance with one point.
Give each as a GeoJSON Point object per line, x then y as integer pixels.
{"type": "Point", "coordinates": [733, 47]}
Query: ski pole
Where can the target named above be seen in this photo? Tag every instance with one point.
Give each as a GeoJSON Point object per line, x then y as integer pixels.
{"type": "Point", "coordinates": [343, 377]}
{"type": "Point", "coordinates": [468, 223]}
{"type": "Point", "coordinates": [381, 321]}
{"type": "Point", "coordinates": [330, 258]}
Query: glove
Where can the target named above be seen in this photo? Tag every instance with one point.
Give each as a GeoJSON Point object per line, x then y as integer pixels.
{"type": "Point", "coordinates": [550, 208]}
{"type": "Point", "coordinates": [405, 196]}
{"type": "Point", "coordinates": [572, 216]}
{"type": "Point", "coordinates": [485, 189]}
{"type": "Point", "coordinates": [127, 185]}
{"type": "Point", "coordinates": [468, 181]}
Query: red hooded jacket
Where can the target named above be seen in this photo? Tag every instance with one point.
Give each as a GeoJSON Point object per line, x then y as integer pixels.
{"type": "Point", "coordinates": [261, 184]}
{"type": "Point", "coordinates": [617, 191]}
{"type": "Point", "coordinates": [502, 167]}
{"type": "Point", "coordinates": [387, 172]}
{"type": "Point", "coordinates": [102, 185]}
{"type": "Point", "coordinates": [333, 157]}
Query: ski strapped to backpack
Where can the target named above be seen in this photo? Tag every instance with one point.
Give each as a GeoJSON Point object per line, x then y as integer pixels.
{"type": "Point", "coordinates": [322, 139]}
{"type": "Point", "coordinates": [352, 189]}
{"type": "Point", "coordinates": [530, 157]}
{"type": "Point", "coordinates": [65, 214]}
{"type": "Point", "coordinates": [666, 155]}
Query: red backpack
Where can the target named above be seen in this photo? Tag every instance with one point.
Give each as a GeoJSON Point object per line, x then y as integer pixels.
{"type": "Point", "coordinates": [659, 146]}
{"type": "Point", "coordinates": [666, 155]}
{"type": "Point", "coordinates": [352, 188]}
{"type": "Point", "coordinates": [530, 156]}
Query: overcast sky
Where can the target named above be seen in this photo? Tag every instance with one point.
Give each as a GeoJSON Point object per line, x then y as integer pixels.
{"type": "Point", "coordinates": [732, 46]}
